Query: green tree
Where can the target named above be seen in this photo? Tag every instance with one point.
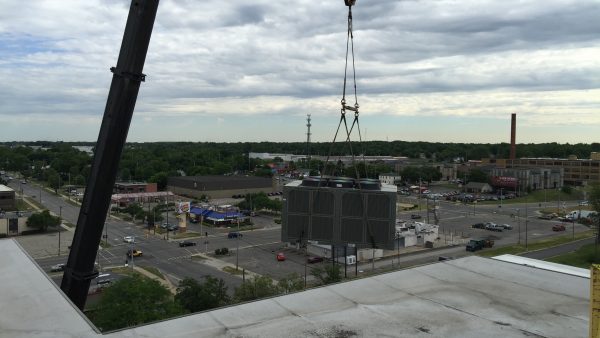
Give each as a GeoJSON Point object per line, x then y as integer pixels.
{"type": "Point", "coordinates": [53, 180]}
{"type": "Point", "coordinates": [594, 199]}
{"type": "Point", "coordinates": [133, 301]}
{"type": "Point", "coordinates": [195, 296]}
{"type": "Point", "coordinates": [134, 210]}
{"type": "Point", "coordinates": [567, 189]}
{"type": "Point", "coordinates": [259, 201]}
{"type": "Point", "coordinates": [153, 217]}
{"type": "Point", "coordinates": [125, 174]}
{"type": "Point", "coordinates": [79, 180]}
{"type": "Point", "coordinates": [42, 220]}
{"type": "Point", "coordinates": [255, 288]}
{"type": "Point", "coordinates": [291, 283]}
{"type": "Point", "coordinates": [327, 274]}
{"type": "Point", "coordinates": [160, 179]}
{"type": "Point", "coordinates": [411, 174]}
{"type": "Point", "coordinates": [478, 175]}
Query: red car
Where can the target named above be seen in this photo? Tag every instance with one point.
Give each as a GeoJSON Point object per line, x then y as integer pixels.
{"type": "Point", "coordinates": [558, 227]}
{"type": "Point", "coordinates": [280, 257]}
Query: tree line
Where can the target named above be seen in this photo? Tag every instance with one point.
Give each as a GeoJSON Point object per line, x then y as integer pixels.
{"type": "Point", "coordinates": [135, 300]}
{"type": "Point", "coordinates": [58, 163]}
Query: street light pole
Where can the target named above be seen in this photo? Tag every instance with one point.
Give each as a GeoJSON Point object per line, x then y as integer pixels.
{"type": "Point", "coordinates": [60, 218]}
{"type": "Point", "coordinates": [526, 221]}
{"type": "Point", "coordinates": [237, 250]}
{"type": "Point", "coordinates": [519, 225]}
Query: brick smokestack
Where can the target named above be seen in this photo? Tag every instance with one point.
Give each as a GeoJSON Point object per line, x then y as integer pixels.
{"type": "Point", "coordinates": [513, 135]}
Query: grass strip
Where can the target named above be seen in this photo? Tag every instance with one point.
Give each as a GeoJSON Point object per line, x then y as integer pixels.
{"type": "Point", "coordinates": [153, 271]}
{"type": "Point", "coordinates": [516, 249]}
{"type": "Point", "coordinates": [232, 271]}
{"type": "Point", "coordinates": [583, 257]}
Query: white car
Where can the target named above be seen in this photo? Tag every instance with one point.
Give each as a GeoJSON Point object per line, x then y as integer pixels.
{"type": "Point", "coordinates": [57, 267]}
{"type": "Point", "coordinates": [129, 239]}
{"type": "Point", "coordinates": [507, 226]}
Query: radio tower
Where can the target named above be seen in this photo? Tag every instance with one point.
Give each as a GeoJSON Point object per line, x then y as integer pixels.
{"type": "Point", "coordinates": [308, 140]}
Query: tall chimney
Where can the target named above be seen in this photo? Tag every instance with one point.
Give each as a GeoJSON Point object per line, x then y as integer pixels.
{"type": "Point", "coordinates": [513, 134]}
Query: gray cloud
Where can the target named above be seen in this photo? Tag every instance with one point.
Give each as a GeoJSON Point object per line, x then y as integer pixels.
{"type": "Point", "coordinates": [56, 55]}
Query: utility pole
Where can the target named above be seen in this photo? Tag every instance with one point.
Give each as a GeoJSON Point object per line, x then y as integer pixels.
{"type": "Point", "coordinates": [124, 88]}
{"type": "Point", "coordinates": [526, 221]}
{"type": "Point", "coordinates": [519, 225]}
{"type": "Point", "coordinates": [308, 125]}
{"type": "Point", "coordinates": [237, 249]}
{"type": "Point", "coordinates": [59, 226]}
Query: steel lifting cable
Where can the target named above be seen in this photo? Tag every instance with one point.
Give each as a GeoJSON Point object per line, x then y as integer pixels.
{"type": "Point", "coordinates": [355, 108]}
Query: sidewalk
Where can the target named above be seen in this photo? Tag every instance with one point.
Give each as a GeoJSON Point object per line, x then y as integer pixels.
{"type": "Point", "coordinates": [163, 281]}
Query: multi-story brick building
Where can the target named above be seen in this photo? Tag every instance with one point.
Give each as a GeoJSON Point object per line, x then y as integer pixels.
{"type": "Point", "coordinates": [554, 172]}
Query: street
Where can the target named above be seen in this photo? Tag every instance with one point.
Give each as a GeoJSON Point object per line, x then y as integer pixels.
{"type": "Point", "coordinates": [258, 247]}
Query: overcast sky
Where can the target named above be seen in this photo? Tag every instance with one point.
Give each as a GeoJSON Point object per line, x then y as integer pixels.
{"type": "Point", "coordinates": [228, 71]}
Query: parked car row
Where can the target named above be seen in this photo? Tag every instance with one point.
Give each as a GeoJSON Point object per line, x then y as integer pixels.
{"type": "Point", "coordinates": [275, 193]}
{"type": "Point", "coordinates": [170, 226]}
{"type": "Point", "coordinates": [462, 197]}
{"type": "Point", "coordinates": [491, 226]}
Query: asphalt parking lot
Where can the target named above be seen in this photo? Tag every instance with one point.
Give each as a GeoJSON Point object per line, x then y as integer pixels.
{"type": "Point", "coordinates": [456, 219]}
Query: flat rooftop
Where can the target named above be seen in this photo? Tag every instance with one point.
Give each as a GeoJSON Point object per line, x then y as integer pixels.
{"type": "Point", "coordinates": [467, 297]}
{"type": "Point", "coordinates": [4, 188]}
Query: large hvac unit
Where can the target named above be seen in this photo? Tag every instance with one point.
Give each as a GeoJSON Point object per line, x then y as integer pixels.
{"type": "Point", "coordinates": [339, 211]}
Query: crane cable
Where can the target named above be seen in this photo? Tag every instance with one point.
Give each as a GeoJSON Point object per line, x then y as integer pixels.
{"type": "Point", "coordinates": [355, 108]}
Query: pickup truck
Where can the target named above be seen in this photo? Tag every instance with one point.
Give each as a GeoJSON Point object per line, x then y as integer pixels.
{"type": "Point", "coordinates": [478, 244]}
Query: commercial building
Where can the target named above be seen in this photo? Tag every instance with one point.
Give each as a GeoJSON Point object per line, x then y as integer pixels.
{"type": "Point", "coordinates": [532, 178]}
{"type": "Point", "coordinates": [7, 198]}
{"type": "Point", "coordinates": [123, 200]}
{"type": "Point", "coordinates": [478, 187]}
{"type": "Point", "coordinates": [13, 223]}
{"type": "Point", "coordinates": [390, 178]}
{"type": "Point", "coordinates": [415, 234]}
{"type": "Point", "coordinates": [218, 216]}
{"type": "Point", "coordinates": [573, 171]}
{"type": "Point", "coordinates": [135, 187]}
{"type": "Point", "coordinates": [218, 186]}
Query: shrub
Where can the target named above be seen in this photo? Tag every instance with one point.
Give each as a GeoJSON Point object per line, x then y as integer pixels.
{"type": "Point", "coordinates": [221, 251]}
